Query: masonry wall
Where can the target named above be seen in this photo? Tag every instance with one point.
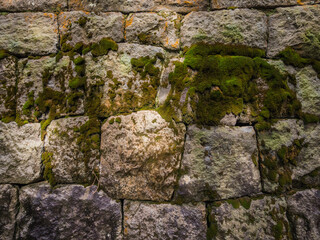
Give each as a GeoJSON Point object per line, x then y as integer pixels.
{"type": "Point", "coordinates": [159, 119]}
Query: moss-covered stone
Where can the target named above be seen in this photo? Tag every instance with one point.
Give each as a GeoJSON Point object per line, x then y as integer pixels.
{"type": "Point", "coordinates": [48, 174]}
{"type": "Point", "coordinates": [103, 47]}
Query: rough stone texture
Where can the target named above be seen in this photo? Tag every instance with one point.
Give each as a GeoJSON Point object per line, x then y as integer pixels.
{"type": "Point", "coordinates": [67, 212]}
{"type": "Point", "coordinates": [7, 87]}
{"type": "Point", "coordinates": [154, 28]}
{"type": "Point", "coordinates": [301, 144]}
{"type": "Point", "coordinates": [96, 26]}
{"type": "Point", "coordinates": [69, 163]}
{"type": "Point", "coordinates": [239, 26]}
{"type": "Point", "coordinates": [124, 89]}
{"type": "Point", "coordinates": [308, 90]}
{"type": "Point", "coordinates": [164, 221]}
{"type": "Point", "coordinates": [304, 213]}
{"type": "Point", "coordinates": [29, 33]}
{"type": "Point", "coordinates": [8, 210]}
{"type": "Point", "coordinates": [32, 73]}
{"type": "Point", "coordinates": [32, 5]}
{"type": "Point", "coordinates": [297, 27]}
{"type": "Point", "coordinates": [140, 156]}
{"type": "Point", "coordinates": [20, 153]}
{"type": "Point", "coordinates": [218, 4]}
{"type": "Point", "coordinates": [183, 6]}
{"type": "Point", "coordinates": [219, 162]}
{"type": "Point", "coordinates": [262, 218]}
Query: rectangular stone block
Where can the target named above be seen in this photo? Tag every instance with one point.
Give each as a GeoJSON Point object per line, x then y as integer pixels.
{"type": "Point", "coordinates": [219, 163]}
{"type": "Point", "coordinates": [67, 212]}
{"type": "Point", "coordinates": [32, 5]}
{"type": "Point", "coordinates": [296, 27]}
{"type": "Point", "coordinates": [29, 33]}
{"type": "Point", "coordinates": [183, 6]}
{"type": "Point", "coordinates": [164, 221]}
{"type": "Point", "coordinates": [84, 27]}
{"type": "Point", "coordinates": [238, 27]}
{"type": "Point", "coordinates": [20, 153]}
{"type": "Point", "coordinates": [154, 29]}
{"type": "Point", "coordinates": [220, 4]}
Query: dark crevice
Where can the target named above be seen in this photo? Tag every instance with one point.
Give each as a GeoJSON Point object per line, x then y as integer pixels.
{"type": "Point", "coordinates": [18, 206]}
{"type": "Point", "coordinates": [122, 217]}
{"type": "Point", "coordinates": [259, 159]}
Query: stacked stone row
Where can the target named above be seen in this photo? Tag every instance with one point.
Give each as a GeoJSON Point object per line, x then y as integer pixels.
{"type": "Point", "coordinates": [154, 177]}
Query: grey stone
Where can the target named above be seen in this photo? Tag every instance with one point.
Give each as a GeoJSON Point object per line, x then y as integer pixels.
{"type": "Point", "coordinates": [140, 5]}
{"type": "Point", "coordinates": [262, 218]}
{"type": "Point", "coordinates": [29, 33]}
{"type": "Point", "coordinates": [71, 162]}
{"type": "Point", "coordinates": [164, 221]}
{"type": "Point", "coordinates": [92, 28]}
{"type": "Point", "coordinates": [289, 154]}
{"type": "Point", "coordinates": [140, 156]}
{"type": "Point", "coordinates": [20, 153]}
{"type": "Point", "coordinates": [308, 90]}
{"type": "Point", "coordinates": [32, 5]}
{"type": "Point", "coordinates": [218, 163]}
{"type": "Point", "coordinates": [219, 4]}
{"type": "Point", "coordinates": [304, 213]}
{"type": "Point", "coordinates": [239, 26]}
{"type": "Point", "coordinates": [154, 28]}
{"type": "Point", "coordinates": [67, 212]}
{"type": "Point", "coordinates": [47, 79]}
{"type": "Point", "coordinates": [7, 88]}
{"type": "Point", "coordinates": [124, 89]}
{"type": "Point", "coordinates": [296, 27]}
{"type": "Point", "coordinates": [8, 210]}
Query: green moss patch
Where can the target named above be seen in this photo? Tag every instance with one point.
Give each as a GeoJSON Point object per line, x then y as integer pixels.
{"type": "Point", "coordinates": [103, 47]}
{"type": "Point", "coordinates": [48, 173]}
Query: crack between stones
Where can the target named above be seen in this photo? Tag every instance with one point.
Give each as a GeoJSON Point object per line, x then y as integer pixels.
{"type": "Point", "coordinates": [18, 206]}
{"type": "Point", "coordinates": [122, 217]}
{"type": "Point", "coordinates": [259, 160]}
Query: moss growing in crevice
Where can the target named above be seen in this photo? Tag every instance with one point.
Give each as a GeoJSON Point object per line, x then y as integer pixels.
{"type": "Point", "coordinates": [3, 54]}
{"type": "Point", "coordinates": [212, 225]}
{"type": "Point", "coordinates": [48, 175]}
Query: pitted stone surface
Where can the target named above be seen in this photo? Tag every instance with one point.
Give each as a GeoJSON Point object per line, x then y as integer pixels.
{"type": "Point", "coordinates": [183, 6]}
{"type": "Point", "coordinates": [8, 210]}
{"type": "Point", "coordinates": [164, 221]}
{"type": "Point", "coordinates": [20, 153]}
{"type": "Point", "coordinates": [304, 213]}
{"type": "Point", "coordinates": [219, 162]}
{"type": "Point", "coordinates": [67, 212]}
{"type": "Point", "coordinates": [7, 87]}
{"type": "Point", "coordinates": [90, 27]}
{"type": "Point", "coordinates": [29, 33]}
{"type": "Point", "coordinates": [218, 4]}
{"type": "Point", "coordinates": [124, 89]}
{"type": "Point", "coordinates": [239, 27]}
{"type": "Point", "coordinates": [69, 163]}
{"type": "Point", "coordinates": [261, 218]}
{"type": "Point", "coordinates": [32, 5]}
{"type": "Point", "coordinates": [154, 28]}
{"type": "Point", "coordinates": [289, 152]}
{"type": "Point", "coordinates": [296, 27]}
{"type": "Point", "coordinates": [140, 156]}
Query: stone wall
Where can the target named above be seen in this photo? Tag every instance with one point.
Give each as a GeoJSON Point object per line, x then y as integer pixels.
{"type": "Point", "coordinates": [159, 119]}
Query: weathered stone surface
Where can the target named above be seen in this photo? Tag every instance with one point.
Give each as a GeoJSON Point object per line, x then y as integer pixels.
{"type": "Point", "coordinates": [29, 33]}
{"type": "Point", "coordinates": [260, 218]}
{"type": "Point", "coordinates": [75, 156]}
{"type": "Point", "coordinates": [297, 27]}
{"type": "Point", "coordinates": [7, 88]}
{"type": "Point", "coordinates": [239, 26]}
{"type": "Point", "coordinates": [219, 4]}
{"type": "Point", "coordinates": [124, 87]}
{"type": "Point", "coordinates": [20, 153]}
{"type": "Point", "coordinates": [289, 152]}
{"type": "Point", "coordinates": [32, 5]}
{"type": "Point", "coordinates": [8, 210]}
{"type": "Point", "coordinates": [67, 212]}
{"type": "Point", "coordinates": [220, 162]}
{"type": "Point", "coordinates": [140, 156]}
{"type": "Point", "coordinates": [308, 90]}
{"type": "Point", "coordinates": [304, 213]}
{"type": "Point", "coordinates": [164, 221]}
{"type": "Point", "coordinates": [154, 28]}
{"type": "Point", "coordinates": [90, 27]}
{"type": "Point", "coordinates": [43, 87]}
{"type": "Point", "coordinates": [183, 6]}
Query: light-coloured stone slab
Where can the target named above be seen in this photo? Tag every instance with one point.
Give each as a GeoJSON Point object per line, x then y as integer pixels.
{"type": "Point", "coordinates": [32, 5]}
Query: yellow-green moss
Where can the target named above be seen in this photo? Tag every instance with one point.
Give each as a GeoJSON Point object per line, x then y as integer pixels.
{"type": "Point", "coordinates": [77, 82]}
{"type": "Point", "coordinates": [3, 54]}
{"type": "Point", "coordinates": [245, 202]}
{"type": "Point", "coordinates": [48, 175]}
{"type": "Point", "coordinates": [103, 47]}
{"type": "Point", "coordinates": [234, 202]}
